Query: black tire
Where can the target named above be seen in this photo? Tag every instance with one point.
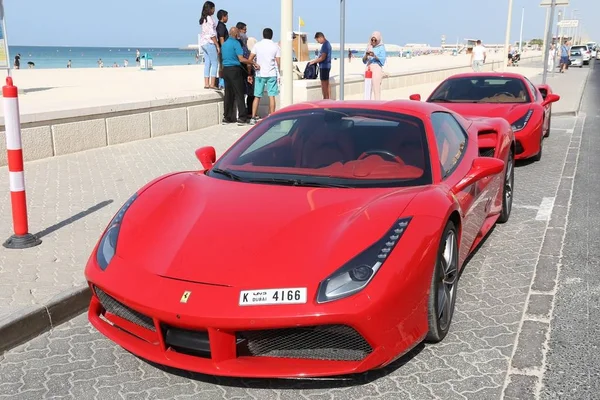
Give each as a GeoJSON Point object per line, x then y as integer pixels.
{"type": "Point", "coordinates": [538, 156]}
{"type": "Point", "coordinates": [508, 189]}
{"type": "Point", "coordinates": [444, 282]}
{"type": "Point", "coordinates": [549, 124]}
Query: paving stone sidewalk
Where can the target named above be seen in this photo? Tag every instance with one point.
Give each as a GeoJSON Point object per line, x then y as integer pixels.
{"type": "Point", "coordinates": [71, 198]}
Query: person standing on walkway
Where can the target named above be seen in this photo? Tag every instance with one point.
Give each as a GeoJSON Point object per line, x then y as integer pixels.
{"type": "Point", "coordinates": [374, 59]}
{"type": "Point", "coordinates": [478, 56]}
{"type": "Point", "coordinates": [222, 36]}
{"type": "Point", "coordinates": [233, 74]}
{"type": "Point", "coordinates": [564, 56]}
{"type": "Point", "coordinates": [324, 61]}
{"type": "Point", "coordinates": [209, 45]}
{"type": "Point", "coordinates": [551, 57]}
{"type": "Point", "coordinates": [243, 30]}
{"type": "Point", "coordinates": [268, 57]}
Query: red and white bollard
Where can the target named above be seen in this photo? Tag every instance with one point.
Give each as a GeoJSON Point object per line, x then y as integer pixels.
{"type": "Point", "coordinates": [12, 124]}
{"type": "Point", "coordinates": [368, 83]}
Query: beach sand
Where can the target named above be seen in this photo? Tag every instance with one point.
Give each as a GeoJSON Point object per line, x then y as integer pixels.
{"type": "Point", "coordinates": [46, 90]}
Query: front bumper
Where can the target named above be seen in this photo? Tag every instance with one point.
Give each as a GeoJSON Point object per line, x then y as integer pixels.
{"type": "Point", "coordinates": [210, 334]}
{"type": "Point", "coordinates": [528, 141]}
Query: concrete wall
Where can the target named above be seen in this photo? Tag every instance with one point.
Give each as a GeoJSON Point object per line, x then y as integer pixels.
{"type": "Point", "coordinates": [57, 133]}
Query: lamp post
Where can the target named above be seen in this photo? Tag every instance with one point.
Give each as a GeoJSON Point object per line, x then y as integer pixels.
{"type": "Point", "coordinates": [342, 45]}
{"type": "Point", "coordinates": [521, 32]}
{"type": "Point", "coordinates": [548, 38]}
{"type": "Point", "coordinates": [507, 38]}
{"type": "Point", "coordinates": [287, 51]}
{"type": "Point", "coordinates": [559, 31]}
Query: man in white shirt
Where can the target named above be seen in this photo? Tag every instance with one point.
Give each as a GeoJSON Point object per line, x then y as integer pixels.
{"type": "Point", "coordinates": [266, 55]}
{"type": "Point", "coordinates": [478, 56]}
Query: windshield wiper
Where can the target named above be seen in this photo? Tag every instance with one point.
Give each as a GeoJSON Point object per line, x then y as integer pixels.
{"type": "Point", "coordinates": [226, 173]}
{"type": "Point", "coordinates": [440, 100]}
{"type": "Point", "coordinates": [297, 182]}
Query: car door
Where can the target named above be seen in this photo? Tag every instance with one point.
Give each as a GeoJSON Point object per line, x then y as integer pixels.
{"type": "Point", "coordinates": [456, 156]}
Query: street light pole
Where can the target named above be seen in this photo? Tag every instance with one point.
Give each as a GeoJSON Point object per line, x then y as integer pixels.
{"type": "Point", "coordinates": [507, 38]}
{"type": "Point", "coordinates": [287, 61]}
{"type": "Point", "coordinates": [545, 46]}
{"type": "Point", "coordinates": [342, 45]}
{"type": "Point", "coordinates": [521, 33]}
{"type": "Point", "coordinates": [559, 31]}
{"type": "Point", "coordinates": [548, 38]}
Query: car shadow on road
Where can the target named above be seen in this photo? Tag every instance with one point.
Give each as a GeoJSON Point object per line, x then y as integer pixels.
{"type": "Point", "coordinates": [524, 163]}
{"type": "Point", "coordinates": [336, 382]}
{"type": "Point", "coordinates": [70, 220]}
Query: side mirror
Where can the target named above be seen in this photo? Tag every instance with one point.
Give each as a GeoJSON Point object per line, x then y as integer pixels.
{"type": "Point", "coordinates": [550, 98]}
{"type": "Point", "coordinates": [415, 97]}
{"type": "Point", "coordinates": [207, 156]}
{"type": "Point", "coordinates": [482, 167]}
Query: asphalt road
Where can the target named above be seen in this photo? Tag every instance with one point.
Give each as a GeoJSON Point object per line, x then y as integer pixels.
{"type": "Point", "coordinates": [498, 346]}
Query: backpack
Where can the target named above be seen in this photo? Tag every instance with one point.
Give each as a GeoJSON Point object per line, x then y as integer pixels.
{"type": "Point", "coordinates": [311, 71]}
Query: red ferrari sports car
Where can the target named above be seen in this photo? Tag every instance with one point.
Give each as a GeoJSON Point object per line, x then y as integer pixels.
{"type": "Point", "coordinates": [512, 96]}
{"type": "Point", "coordinates": [327, 240]}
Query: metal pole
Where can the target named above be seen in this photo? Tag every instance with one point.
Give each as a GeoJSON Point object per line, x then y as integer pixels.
{"type": "Point", "coordinates": [507, 38]}
{"type": "Point", "coordinates": [521, 33]}
{"type": "Point", "coordinates": [559, 30]}
{"type": "Point", "coordinates": [342, 46]}
{"type": "Point", "coordinates": [3, 19]}
{"type": "Point", "coordinates": [287, 53]}
{"type": "Point", "coordinates": [548, 38]}
{"type": "Point", "coordinates": [545, 45]}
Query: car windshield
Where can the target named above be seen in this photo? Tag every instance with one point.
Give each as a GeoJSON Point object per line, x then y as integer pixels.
{"type": "Point", "coordinates": [333, 147]}
{"type": "Point", "coordinates": [483, 89]}
{"type": "Point", "coordinates": [575, 52]}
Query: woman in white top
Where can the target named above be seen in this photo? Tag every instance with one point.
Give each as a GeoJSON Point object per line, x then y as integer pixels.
{"type": "Point", "coordinates": [209, 45]}
{"type": "Point", "coordinates": [551, 57]}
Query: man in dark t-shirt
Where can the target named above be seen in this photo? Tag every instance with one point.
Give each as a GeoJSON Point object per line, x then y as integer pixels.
{"type": "Point", "coordinates": [324, 61]}
{"type": "Point", "coordinates": [222, 36]}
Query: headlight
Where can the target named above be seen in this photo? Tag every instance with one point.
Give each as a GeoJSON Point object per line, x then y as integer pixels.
{"type": "Point", "coordinates": [358, 272]}
{"type": "Point", "coordinates": [519, 124]}
{"type": "Point", "coordinates": [108, 243]}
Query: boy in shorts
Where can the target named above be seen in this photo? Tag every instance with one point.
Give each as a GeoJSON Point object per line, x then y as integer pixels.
{"type": "Point", "coordinates": [266, 56]}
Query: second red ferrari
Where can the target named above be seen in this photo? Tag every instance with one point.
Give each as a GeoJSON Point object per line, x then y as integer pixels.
{"type": "Point", "coordinates": [512, 96]}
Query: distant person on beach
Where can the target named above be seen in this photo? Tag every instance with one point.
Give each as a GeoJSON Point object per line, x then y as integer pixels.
{"type": "Point", "coordinates": [222, 36]}
{"type": "Point", "coordinates": [324, 61]}
{"type": "Point", "coordinates": [267, 55]}
{"type": "Point", "coordinates": [125, 63]}
{"type": "Point", "coordinates": [350, 55]}
{"type": "Point", "coordinates": [100, 63]}
{"type": "Point", "coordinates": [374, 58]}
{"type": "Point", "coordinates": [209, 45]}
{"type": "Point", "coordinates": [233, 73]}
{"type": "Point", "coordinates": [478, 56]}
{"type": "Point", "coordinates": [30, 64]}
{"type": "Point", "coordinates": [69, 64]}
{"type": "Point", "coordinates": [18, 61]}
{"type": "Point", "coordinates": [249, 76]}
{"type": "Point", "coordinates": [137, 57]}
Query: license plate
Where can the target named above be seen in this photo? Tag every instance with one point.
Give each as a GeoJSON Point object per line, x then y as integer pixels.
{"type": "Point", "coordinates": [264, 297]}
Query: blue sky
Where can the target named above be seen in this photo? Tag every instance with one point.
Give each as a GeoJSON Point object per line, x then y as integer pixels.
{"type": "Point", "coordinates": [174, 23]}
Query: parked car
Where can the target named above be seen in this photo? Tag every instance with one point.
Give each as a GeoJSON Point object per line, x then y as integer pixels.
{"type": "Point", "coordinates": [356, 221]}
{"type": "Point", "coordinates": [576, 58]}
{"type": "Point", "coordinates": [586, 53]}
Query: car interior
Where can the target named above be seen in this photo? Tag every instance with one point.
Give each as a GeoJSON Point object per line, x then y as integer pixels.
{"type": "Point", "coordinates": [484, 90]}
{"type": "Point", "coordinates": [352, 147]}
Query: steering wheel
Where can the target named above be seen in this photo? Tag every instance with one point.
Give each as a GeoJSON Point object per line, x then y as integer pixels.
{"type": "Point", "coordinates": [503, 93]}
{"type": "Point", "coordinates": [383, 153]}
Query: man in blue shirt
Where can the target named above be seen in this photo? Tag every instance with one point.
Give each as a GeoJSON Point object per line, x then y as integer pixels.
{"type": "Point", "coordinates": [564, 56]}
{"type": "Point", "coordinates": [324, 61]}
{"type": "Point", "coordinates": [233, 74]}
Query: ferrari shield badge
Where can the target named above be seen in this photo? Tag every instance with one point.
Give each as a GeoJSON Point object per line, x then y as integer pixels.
{"type": "Point", "coordinates": [185, 297]}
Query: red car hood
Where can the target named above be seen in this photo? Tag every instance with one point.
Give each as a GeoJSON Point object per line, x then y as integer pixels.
{"type": "Point", "coordinates": [202, 229]}
{"type": "Point", "coordinates": [510, 112]}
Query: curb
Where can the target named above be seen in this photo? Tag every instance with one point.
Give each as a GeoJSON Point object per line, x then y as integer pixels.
{"type": "Point", "coordinates": [32, 321]}
{"type": "Point", "coordinates": [564, 114]}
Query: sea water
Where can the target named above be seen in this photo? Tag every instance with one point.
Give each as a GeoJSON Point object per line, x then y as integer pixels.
{"type": "Point", "coordinates": [88, 57]}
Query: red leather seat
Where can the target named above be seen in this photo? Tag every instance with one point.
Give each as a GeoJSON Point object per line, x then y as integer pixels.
{"type": "Point", "coordinates": [321, 147]}
{"type": "Point", "coordinates": [407, 144]}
